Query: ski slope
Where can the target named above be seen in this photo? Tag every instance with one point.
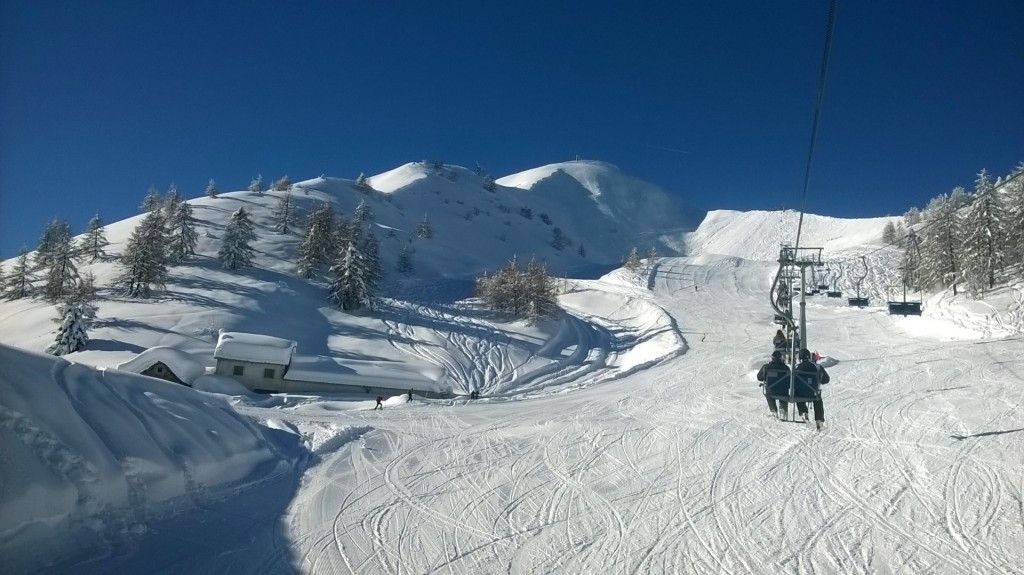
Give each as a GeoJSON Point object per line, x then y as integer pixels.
{"type": "Point", "coordinates": [669, 468]}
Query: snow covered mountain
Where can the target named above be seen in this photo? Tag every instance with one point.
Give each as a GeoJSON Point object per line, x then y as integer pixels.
{"type": "Point", "coordinates": [625, 435]}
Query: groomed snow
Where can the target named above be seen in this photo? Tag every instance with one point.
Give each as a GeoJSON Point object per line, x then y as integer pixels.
{"type": "Point", "coordinates": [627, 436]}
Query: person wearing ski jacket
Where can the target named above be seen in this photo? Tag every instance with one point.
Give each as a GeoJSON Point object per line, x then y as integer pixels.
{"type": "Point", "coordinates": [806, 366]}
{"type": "Point", "coordinates": [779, 341]}
{"type": "Point", "coordinates": [776, 363]}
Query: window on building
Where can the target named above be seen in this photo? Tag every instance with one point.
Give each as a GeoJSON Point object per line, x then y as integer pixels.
{"type": "Point", "coordinates": [268, 373]}
{"type": "Point", "coordinates": [239, 370]}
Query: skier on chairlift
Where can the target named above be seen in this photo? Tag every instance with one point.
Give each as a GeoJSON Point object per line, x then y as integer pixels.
{"type": "Point", "coordinates": [806, 366]}
{"type": "Point", "coordinates": [775, 364]}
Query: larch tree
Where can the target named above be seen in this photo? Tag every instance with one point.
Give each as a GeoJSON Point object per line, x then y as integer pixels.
{"type": "Point", "coordinates": [181, 227]}
{"type": "Point", "coordinates": [284, 213]}
{"type": "Point", "coordinates": [152, 201]}
{"type": "Point", "coordinates": [283, 185]}
{"type": "Point", "coordinates": [363, 213]}
{"type": "Point", "coordinates": [62, 274]}
{"type": "Point", "coordinates": [1014, 203]}
{"type": "Point", "coordinates": [93, 243]}
{"type": "Point", "coordinates": [318, 246]}
{"type": "Point", "coordinates": [235, 250]}
{"type": "Point", "coordinates": [173, 199]}
{"type": "Point", "coordinates": [351, 288]}
{"type": "Point", "coordinates": [404, 265]}
{"type": "Point", "coordinates": [144, 260]}
{"type": "Point", "coordinates": [940, 249]}
{"type": "Point", "coordinates": [425, 230]}
{"type": "Point", "coordinates": [370, 248]}
{"type": "Point", "coordinates": [56, 234]}
{"type": "Point", "coordinates": [256, 185]}
{"type": "Point", "coordinates": [983, 242]}
{"type": "Point", "coordinates": [19, 282]}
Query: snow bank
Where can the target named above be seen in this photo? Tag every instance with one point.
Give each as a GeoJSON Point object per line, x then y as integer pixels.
{"type": "Point", "coordinates": [89, 454]}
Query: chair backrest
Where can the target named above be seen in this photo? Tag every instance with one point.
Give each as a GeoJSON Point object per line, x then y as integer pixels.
{"type": "Point", "coordinates": [776, 382]}
{"type": "Point", "coordinates": [805, 385]}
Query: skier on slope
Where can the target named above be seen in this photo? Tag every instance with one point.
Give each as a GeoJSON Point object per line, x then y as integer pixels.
{"type": "Point", "coordinates": [775, 364]}
{"type": "Point", "coordinates": [806, 366]}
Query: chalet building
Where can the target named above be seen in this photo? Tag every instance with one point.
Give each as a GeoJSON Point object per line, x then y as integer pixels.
{"type": "Point", "coordinates": [258, 362]}
{"type": "Point", "coordinates": [267, 364]}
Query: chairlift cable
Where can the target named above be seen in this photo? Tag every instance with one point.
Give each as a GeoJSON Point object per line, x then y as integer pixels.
{"type": "Point", "coordinates": [817, 113]}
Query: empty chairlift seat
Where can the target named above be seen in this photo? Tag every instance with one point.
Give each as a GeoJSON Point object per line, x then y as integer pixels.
{"type": "Point", "coordinates": [904, 308]}
{"type": "Point", "coordinates": [857, 301]}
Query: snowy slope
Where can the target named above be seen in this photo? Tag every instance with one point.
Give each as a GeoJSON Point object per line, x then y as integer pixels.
{"type": "Point", "coordinates": [626, 436]}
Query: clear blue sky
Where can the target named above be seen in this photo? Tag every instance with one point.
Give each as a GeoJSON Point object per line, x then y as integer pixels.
{"type": "Point", "coordinates": [712, 100]}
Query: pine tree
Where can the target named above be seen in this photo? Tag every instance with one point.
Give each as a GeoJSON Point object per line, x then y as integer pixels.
{"type": "Point", "coordinates": [363, 212]}
{"type": "Point", "coordinates": [72, 334]}
{"type": "Point", "coordinates": [3, 279]}
{"type": "Point", "coordinates": [152, 201]}
{"type": "Point", "coordinates": [211, 189]}
{"type": "Point", "coordinates": [582, 251]}
{"type": "Point", "coordinates": [319, 241]}
{"type": "Point", "coordinates": [62, 275]}
{"type": "Point", "coordinates": [284, 213]}
{"type": "Point", "coordinates": [351, 288]}
{"type": "Point", "coordinates": [19, 282]}
{"type": "Point", "coordinates": [488, 183]}
{"type": "Point", "coordinates": [235, 251]}
{"type": "Point", "coordinates": [424, 230]}
{"type": "Point", "coordinates": [181, 226]}
{"type": "Point", "coordinates": [144, 260]}
{"type": "Point", "coordinates": [56, 234]}
{"type": "Point", "coordinates": [256, 185]}
{"type": "Point", "coordinates": [283, 185]}
{"type": "Point", "coordinates": [404, 265]}
{"type": "Point", "coordinates": [91, 246]}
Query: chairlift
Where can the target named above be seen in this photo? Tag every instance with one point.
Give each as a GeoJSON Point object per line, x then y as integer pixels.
{"type": "Point", "coordinates": [860, 301]}
{"type": "Point", "coordinates": [792, 386]}
{"type": "Point", "coordinates": [835, 292]}
{"type": "Point", "coordinates": [905, 307]}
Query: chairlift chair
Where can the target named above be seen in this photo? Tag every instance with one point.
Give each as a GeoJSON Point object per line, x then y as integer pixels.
{"type": "Point", "coordinates": [792, 386]}
{"type": "Point", "coordinates": [860, 301]}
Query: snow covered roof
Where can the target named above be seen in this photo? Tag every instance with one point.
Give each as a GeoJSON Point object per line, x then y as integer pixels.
{"type": "Point", "coordinates": [322, 369]}
{"type": "Point", "coordinates": [254, 347]}
{"type": "Point", "coordinates": [183, 364]}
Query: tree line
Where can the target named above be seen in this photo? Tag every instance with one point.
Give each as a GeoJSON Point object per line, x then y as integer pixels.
{"type": "Point", "coordinates": [965, 241]}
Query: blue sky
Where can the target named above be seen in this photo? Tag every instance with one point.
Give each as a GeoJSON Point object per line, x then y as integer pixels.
{"type": "Point", "coordinates": [711, 100]}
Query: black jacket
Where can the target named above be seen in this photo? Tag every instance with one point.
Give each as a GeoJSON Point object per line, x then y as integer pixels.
{"type": "Point", "coordinates": [773, 364]}
{"type": "Point", "coordinates": [807, 366]}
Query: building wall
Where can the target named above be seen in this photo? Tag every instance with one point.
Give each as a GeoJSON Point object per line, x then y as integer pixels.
{"type": "Point", "coordinates": [252, 375]}
{"type": "Point", "coordinates": [160, 371]}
